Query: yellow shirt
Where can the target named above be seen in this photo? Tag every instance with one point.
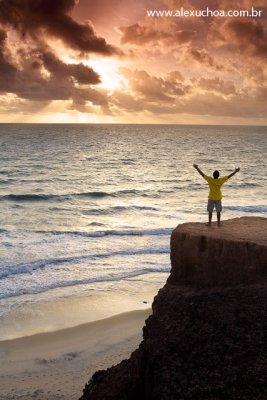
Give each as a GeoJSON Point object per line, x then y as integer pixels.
{"type": "Point", "coordinates": [215, 187]}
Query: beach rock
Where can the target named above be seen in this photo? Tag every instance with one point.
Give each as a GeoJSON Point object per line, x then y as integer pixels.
{"type": "Point", "coordinates": [205, 257]}
{"type": "Point", "coordinates": [206, 338]}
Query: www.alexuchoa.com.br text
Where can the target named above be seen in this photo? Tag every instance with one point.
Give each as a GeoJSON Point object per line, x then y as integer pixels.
{"type": "Point", "coordinates": [207, 12]}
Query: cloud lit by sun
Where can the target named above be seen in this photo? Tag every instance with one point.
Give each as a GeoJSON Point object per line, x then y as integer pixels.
{"type": "Point", "coordinates": [108, 69]}
{"type": "Point", "coordinates": [109, 72]}
{"type": "Point", "coordinates": [106, 61]}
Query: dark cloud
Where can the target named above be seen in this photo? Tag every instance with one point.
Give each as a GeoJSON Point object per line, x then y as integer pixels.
{"type": "Point", "coordinates": [127, 102]}
{"type": "Point", "coordinates": [129, 10]}
{"type": "Point", "coordinates": [204, 96]}
{"type": "Point", "coordinates": [219, 63]}
{"type": "Point", "coordinates": [154, 89]}
{"type": "Point", "coordinates": [208, 104]}
{"type": "Point", "coordinates": [51, 17]}
{"type": "Point", "coordinates": [248, 36]}
{"type": "Point", "coordinates": [141, 34]}
{"type": "Point", "coordinates": [81, 73]}
{"type": "Point", "coordinates": [229, 65]}
{"type": "Point", "coordinates": [3, 37]}
{"type": "Point", "coordinates": [150, 92]}
{"type": "Point", "coordinates": [31, 71]}
{"type": "Point", "coordinates": [203, 57]}
{"type": "Point", "coordinates": [239, 105]}
{"type": "Point", "coordinates": [7, 70]}
{"type": "Point", "coordinates": [42, 77]}
{"type": "Point", "coordinates": [16, 106]}
{"type": "Point", "coordinates": [217, 85]}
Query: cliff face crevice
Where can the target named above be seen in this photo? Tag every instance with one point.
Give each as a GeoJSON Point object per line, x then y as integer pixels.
{"type": "Point", "coordinates": [206, 338]}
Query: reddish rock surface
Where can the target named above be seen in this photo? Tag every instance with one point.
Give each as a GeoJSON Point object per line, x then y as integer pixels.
{"type": "Point", "coordinates": [235, 253]}
{"type": "Point", "coordinates": [206, 338]}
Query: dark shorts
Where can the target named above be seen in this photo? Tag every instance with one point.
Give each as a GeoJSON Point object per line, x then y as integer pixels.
{"type": "Point", "coordinates": [217, 204]}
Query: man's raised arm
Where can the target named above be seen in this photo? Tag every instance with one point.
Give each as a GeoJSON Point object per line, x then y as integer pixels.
{"type": "Point", "coordinates": [233, 173]}
{"type": "Point", "coordinates": [198, 170]}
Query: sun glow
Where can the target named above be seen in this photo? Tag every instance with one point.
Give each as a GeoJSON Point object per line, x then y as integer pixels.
{"type": "Point", "coordinates": [109, 72]}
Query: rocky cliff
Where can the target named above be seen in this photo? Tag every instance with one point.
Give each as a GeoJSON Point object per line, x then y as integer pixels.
{"type": "Point", "coordinates": [206, 338]}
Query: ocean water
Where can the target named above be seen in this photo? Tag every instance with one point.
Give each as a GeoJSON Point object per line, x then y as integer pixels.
{"type": "Point", "coordinates": [87, 212]}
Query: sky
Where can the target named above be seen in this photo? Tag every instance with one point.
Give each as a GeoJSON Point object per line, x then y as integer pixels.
{"type": "Point", "coordinates": [106, 61]}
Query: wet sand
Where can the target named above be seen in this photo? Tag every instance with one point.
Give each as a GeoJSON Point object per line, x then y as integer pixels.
{"type": "Point", "coordinates": [57, 365]}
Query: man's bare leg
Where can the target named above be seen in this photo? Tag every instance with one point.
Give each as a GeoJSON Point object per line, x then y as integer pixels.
{"type": "Point", "coordinates": [210, 218]}
{"type": "Point", "coordinates": [219, 218]}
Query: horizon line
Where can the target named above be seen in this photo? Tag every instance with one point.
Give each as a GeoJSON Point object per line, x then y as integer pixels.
{"type": "Point", "coordinates": [125, 123]}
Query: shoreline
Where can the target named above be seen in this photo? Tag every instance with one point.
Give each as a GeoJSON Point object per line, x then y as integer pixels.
{"type": "Point", "coordinates": [58, 310]}
{"type": "Point", "coordinates": [56, 365]}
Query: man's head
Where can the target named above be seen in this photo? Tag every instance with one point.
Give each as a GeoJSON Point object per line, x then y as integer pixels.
{"type": "Point", "coordinates": [216, 174]}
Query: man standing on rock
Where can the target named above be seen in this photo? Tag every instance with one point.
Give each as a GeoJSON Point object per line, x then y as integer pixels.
{"type": "Point", "coordinates": [215, 194]}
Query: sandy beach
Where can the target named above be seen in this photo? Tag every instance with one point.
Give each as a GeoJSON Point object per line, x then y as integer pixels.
{"type": "Point", "coordinates": [57, 365]}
